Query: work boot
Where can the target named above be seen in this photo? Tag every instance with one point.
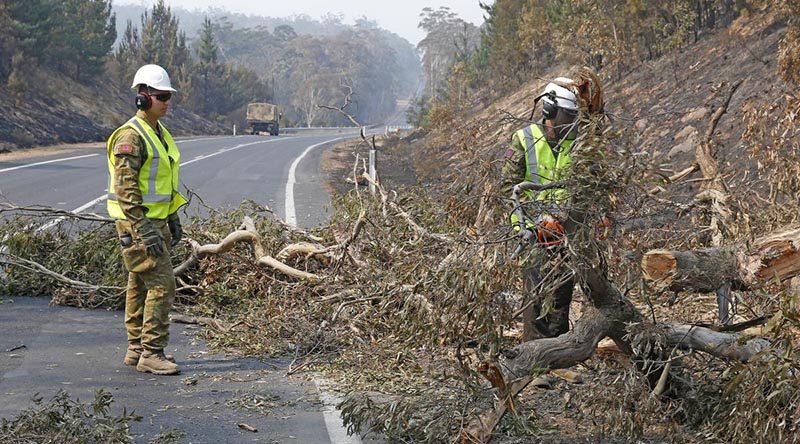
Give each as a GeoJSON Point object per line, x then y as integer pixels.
{"type": "Point", "coordinates": [133, 353]}
{"type": "Point", "coordinates": [156, 363]}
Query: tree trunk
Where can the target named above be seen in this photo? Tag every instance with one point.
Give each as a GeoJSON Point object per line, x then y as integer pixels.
{"type": "Point", "coordinates": [769, 259]}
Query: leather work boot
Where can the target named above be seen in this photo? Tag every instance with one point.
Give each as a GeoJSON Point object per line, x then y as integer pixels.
{"type": "Point", "coordinates": [133, 353]}
{"type": "Point", "coordinates": [156, 363]}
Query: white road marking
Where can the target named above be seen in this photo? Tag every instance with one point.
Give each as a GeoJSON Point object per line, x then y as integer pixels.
{"type": "Point", "coordinates": [200, 138]}
{"type": "Point", "coordinates": [337, 433]}
{"type": "Point", "coordinates": [46, 162]}
{"type": "Point", "coordinates": [225, 150]}
{"type": "Point", "coordinates": [19, 167]}
{"type": "Point", "coordinates": [289, 209]}
{"type": "Point", "coordinates": [101, 198]}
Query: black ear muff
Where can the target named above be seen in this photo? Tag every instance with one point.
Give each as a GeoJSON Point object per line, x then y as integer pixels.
{"type": "Point", "coordinates": [143, 101]}
{"type": "Point", "coordinates": [549, 105]}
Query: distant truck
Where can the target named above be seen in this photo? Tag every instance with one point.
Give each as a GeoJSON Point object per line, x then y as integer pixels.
{"type": "Point", "coordinates": [263, 117]}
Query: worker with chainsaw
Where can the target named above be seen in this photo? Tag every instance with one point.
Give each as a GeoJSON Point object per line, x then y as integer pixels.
{"type": "Point", "coordinates": [143, 199]}
{"type": "Point", "coordinates": [540, 153]}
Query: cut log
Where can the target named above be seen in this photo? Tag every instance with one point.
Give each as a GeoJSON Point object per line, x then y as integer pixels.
{"type": "Point", "coordinates": [769, 259]}
{"type": "Point", "coordinates": [700, 270]}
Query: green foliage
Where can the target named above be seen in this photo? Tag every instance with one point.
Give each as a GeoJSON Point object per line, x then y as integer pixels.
{"type": "Point", "coordinates": [25, 30]}
{"type": "Point", "coordinates": [63, 420]}
{"type": "Point", "coordinates": [171, 436]}
{"type": "Point", "coordinates": [162, 41]}
{"type": "Point", "coordinates": [207, 68]}
{"type": "Point", "coordinates": [417, 112]}
{"type": "Point", "coordinates": [84, 37]}
{"type": "Point", "coordinates": [74, 35]}
{"type": "Point", "coordinates": [426, 417]}
{"type": "Point", "coordinates": [88, 255]}
{"type": "Point", "coordinates": [506, 61]}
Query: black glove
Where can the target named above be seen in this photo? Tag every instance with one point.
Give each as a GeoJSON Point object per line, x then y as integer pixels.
{"type": "Point", "coordinates": [175, 229]}
{"type": "Point", "coordinates": [151, 238]}
{"type": "Point", "coordinates": [527, 235]}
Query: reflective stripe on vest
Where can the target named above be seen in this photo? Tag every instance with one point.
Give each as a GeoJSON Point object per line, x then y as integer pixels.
{"type": "Point", "coordinates": [159, 187]}
{"type": "Point", "coordinates": [542, 165]}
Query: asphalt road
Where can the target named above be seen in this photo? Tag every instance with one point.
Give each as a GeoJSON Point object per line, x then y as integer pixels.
{"type": "Point", "coordinates": [81, 350]}
{"type": "Point", "coordinates": [223, 171]}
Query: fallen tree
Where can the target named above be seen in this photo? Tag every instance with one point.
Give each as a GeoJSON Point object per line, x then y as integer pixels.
{"type": "Point", "coordinates": [768, 259]}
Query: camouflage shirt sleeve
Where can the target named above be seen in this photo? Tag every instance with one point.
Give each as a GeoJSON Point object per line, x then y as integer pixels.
{"type": "Point", "coordinates": [513, 171]}
{"type": "Point", "coordinates": [129, 154]}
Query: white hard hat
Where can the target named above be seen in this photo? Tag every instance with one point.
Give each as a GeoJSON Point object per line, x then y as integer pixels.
{"type": "Point", "coordinates": [565, 98]}
{"type": "Point", "coordinates": [153, 76]}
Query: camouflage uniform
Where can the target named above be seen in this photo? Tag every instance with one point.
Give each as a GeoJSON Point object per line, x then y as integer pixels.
{"type": "Point", "coordinates": [150, 293]}
{"type": "Point", "coordinates": [537, 264]}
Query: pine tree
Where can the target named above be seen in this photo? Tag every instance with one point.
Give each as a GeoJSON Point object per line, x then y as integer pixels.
{"type": "Point", "coordinates": [26, 30]}
{"type": "Point", "coordinates": [162, 41]}
{"type": "Point", "coordinates": [84, 36]}
{"type": "Point", "coordinates": [207, 68]}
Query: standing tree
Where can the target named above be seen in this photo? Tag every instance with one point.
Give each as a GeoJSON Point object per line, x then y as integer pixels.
{"type": "Point", "coordinates": [84, 36]}
{"type": "Point", "coordinates": [24, 35]}
{"type": "Point", "coordinates": [162, 41]}
{"type": "Point", "coordinates": [207, 69]}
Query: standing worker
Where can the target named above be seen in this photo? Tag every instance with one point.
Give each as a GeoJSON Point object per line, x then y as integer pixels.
{"type": "Point", "coordinates": [143, 198]}
{"type": "Point", "coordinates": [540, 153]}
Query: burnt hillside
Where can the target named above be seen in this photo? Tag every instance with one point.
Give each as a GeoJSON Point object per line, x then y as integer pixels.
{"type": "Point", "coordinates": [55, 110]}
{"type": "Point", "coordinates": [667, 103]}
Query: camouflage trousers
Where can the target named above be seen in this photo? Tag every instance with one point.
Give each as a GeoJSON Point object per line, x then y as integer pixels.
{"type": "Point", "coordinates": [151, 289]}
{"type": "Point", "coordinates": [555, 321]}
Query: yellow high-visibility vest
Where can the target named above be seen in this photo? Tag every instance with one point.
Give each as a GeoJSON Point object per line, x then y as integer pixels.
{"type": "Point", "coordinates": [543, 166]}
{"type": "Point", "coordinates": [158, 176]}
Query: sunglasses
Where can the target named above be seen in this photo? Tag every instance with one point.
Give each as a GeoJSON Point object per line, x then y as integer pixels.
{"type": "Point", "coordinates": [162, 97]}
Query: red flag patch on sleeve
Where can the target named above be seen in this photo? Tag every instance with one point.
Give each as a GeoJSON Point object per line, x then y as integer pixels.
{"type": "Point", "coordinates": [509, 152]}
{"type": "Point", "coordinates": [127, 149]}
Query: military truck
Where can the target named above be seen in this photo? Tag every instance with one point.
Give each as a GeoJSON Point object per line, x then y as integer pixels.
{"type": "Point", "coordinates": [263, 117]}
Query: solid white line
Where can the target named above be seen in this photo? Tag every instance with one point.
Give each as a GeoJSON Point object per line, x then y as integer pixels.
{"type": "Point", "coordinates": [289, 209]}
{"type": "Point", "coordinates": [99, 199]}
{"type": "Point", "coordinates": [46, 162]}
{"type": "Point", "coordinates": [337, 433]}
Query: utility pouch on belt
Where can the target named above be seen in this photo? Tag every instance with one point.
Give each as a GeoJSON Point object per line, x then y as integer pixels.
{"type": "Point", "coordinates": [134, 253]}
{"type": "Point", "coordinates": [136, 259]}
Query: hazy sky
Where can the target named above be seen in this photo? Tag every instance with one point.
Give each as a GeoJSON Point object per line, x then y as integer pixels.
{"type": "Point", "coordinates": [400, 17]}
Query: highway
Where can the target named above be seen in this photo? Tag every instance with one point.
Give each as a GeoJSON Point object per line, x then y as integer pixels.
{"type": "Point", "coordinates": [222, 171]}
{"type": "Point", "coordinates": [43, 348]}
